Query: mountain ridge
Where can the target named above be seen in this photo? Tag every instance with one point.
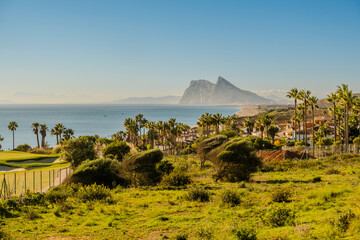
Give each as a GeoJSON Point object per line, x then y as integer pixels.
{"type": "Point", "coordinates": [222, 92]}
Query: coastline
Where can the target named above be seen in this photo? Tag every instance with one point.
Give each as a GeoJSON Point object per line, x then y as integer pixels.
{"type": "Point", "coordinates": [248, 111]}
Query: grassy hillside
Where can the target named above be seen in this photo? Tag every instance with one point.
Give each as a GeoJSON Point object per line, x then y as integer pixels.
{"type": "Point", "coordinates": [315, 199]}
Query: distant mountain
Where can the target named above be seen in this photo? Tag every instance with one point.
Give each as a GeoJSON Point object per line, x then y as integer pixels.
{"type": "Point", "coordinates": [223, 92]}
{"type": "Point", "coordinates": [150, 100]}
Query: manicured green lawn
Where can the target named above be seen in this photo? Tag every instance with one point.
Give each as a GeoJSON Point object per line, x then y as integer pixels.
{"type": "Point", "coordinates": [325, 201]}
{"type": "Point", "coordinates": [6, 156]}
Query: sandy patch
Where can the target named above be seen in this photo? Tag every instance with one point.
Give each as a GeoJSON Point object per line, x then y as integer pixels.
{"type": "Point", "coordinates": [248, 111]}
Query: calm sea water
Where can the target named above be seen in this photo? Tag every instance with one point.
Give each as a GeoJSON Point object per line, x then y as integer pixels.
{"type": "Point", "coordinates": [103, 120]}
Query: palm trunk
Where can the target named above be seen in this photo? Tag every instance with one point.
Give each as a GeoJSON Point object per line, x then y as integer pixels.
{"type": "Point", "coordinates": [37, 138]}
{"type": "Point", "coordinates": [346, 128]}
{"type": "Point", "coordinates": [57, 139]}
{"type": "Point", "coordinates": [13, 140]}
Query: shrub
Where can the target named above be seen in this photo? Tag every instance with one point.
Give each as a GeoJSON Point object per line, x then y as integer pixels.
{"type": "Point", "coordinates": [198, 194]}
{"type": "Point", "coordinates": [343, 220]}
{"type": "Point", "coordinates": [237, 161]}
{"type": "Point", "coordinates": [106, 172]}
{"type": "Point", "coordinates": [4, 211]}
{"type": "Point", "coordinates": [4, 235]}
{"type": "Point", "coordinates": [56, 149]}
{"type": "Point", "coordinates": [61, 193]}
{"type": "Point", "coordinates": [118, 149]}
{"type": "Point", "coordinates": [245, 234]}
{"type": "Point", "coordinates": [278, 216]}
{"type": "Point", "coordinates": [332, 171]}
{"type": "Point", "coordinates": [324, 141]}
{"type": "Point", "coordinates": [93, 192]}
{"type": "Point", "coordinates": [176, 178]}
{"type": "Point", "coordinates": [356, 140]}
{"type": "Point", "coordinates": [281, 195]}
{"type": "Point", "coordinates": [230, 198]}
{"type": "Point", "coordinates": [181, 236]}
{"type": "Point", "coordinates": [77, 150]}
{"type": "Point", "coordinates": [31, 214]}
{"type": "Point", "coordinates": [141, 168]}
{"type": "Point", "coordinates": [23, 148]}
{"type": "Point", "coordinates": [316, 179]}
{"type": "Point", "coordinates": [206, 146]}
{"type": "Point", "coordinates": [165, 167]}
{"type": "Point", "coordinates": [228, 133]}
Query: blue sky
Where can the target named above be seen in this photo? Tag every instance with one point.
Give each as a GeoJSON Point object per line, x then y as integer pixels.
{"type": "Point", "coordinates": [95, 51]}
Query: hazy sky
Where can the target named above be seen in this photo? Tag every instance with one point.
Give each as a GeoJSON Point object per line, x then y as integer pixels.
{"type": "Point", "coordinates": [95, 51]}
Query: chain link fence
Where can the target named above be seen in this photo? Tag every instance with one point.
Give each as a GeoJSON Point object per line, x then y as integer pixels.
{"type": "Point", "coordinates": [319, 151]}
{"type": "Point", "coordinates": [17, 183]}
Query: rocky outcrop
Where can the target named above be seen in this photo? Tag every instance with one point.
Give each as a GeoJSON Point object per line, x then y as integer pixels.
{"type": "Point", "coordinates": [223, 92]}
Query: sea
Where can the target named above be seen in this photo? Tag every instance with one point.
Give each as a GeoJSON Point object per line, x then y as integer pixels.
{"type": "Point", "coordinates": [90, 119]}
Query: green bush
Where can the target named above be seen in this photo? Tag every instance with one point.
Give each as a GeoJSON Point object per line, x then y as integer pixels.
{"type": "Point", "coordinates": [77, 150]}
{"type": "Point", "coordinates": [61, 193]}
{"type": "Point", "coordinates": [343, 220]}
{"type": "Point", "coordinates": [281, 195]}
{"type": "Point", "coordinates": [93, 192]}
{"type": "Point", "coordinates": [4, 211]}
{"type": "Point", "coordinates": [105, 141]}
{"type": "Point", "coordinates": [141, 168]}
{"type": "Point", "coordinates": [230, 198]}
{"type": "Point", "coordinates": [23, 148]}
{"type": "Point", "coordinates": [278, 216]}
{"type": "Point", "coordinates": [324, 141]}
{"type": "Point", "coordinates": [107, 172]}
{"type": "Point", "coordinates": [237, 161]}
{"type": "Point", "coordinates": [245, 234]}
{"type": "Point", "coordinates": [176, 179]}
{"type": "Point", "coordinates": [118, 149]}
{"type": "Point", "coordinates": [198, 194]}
{"type": "Point", "coordinates": [228, 133]}
{"type": "Point", "coordinates": [356, 140]}
{"type": "Point", "coordinates": [207, 146]}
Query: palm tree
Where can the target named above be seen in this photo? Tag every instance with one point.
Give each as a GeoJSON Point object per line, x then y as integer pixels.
{"type": "Point", "coordinates": [12, 127]}
{"type": "Point", "coordinates": [1, 139]}
{"type": "Point", "coordinates": [57, 131]}
{"type": "Point", "coordinates": [273, 130]}
{"type": "Point", "coordinates": [260, 126]}
{"type": "Point", "coordinates": [333, 98]}
{"type": "Point", "coordinates": [313, 104]}
{"type": "Point", "coordinates": [43, 130]}
{"type": "Point", "coordinates": [304, 96]}
{"type": "Point", "coordinates": [347, 99]}
{"type": "Point", "coordinates": [267, 121]}
{"type": "Point", "coordinates": [35, 126]}
{"type": "Point", "coordinates": [68, 133]}
{"type": "Point", "coordinates": [217, 120]}
{"type": "Point", "coordinates": [294, 93]}
{"type": "Point", "coordinates": [151, 133]}
{"type": "Point", "coordinates": [249, 125]}
{"type": "Point", "coordinates": [132, 129]}
{"type": "Point", "coordinates": [119, 136]}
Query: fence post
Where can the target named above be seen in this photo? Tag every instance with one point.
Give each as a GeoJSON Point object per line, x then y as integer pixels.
{"type": "Point", "coordinates": [25, 181]}
{"type": "Point", "coordinates": [40, 181]}
{"type": "Point", "coordinates": [15, 183]}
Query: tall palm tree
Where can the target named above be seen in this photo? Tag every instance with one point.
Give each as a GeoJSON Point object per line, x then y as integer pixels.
{"type": "Point", "coordinates": [267, 121]}
{"type": "Point", "coordinates": [347, 99]}
{"type": "Point", "coordinates": [313, 104]}
{"type": "Point", "coordinates": [132, 129]}
{"type": "Point", "coordinates": [249, 125]}
{"type": "Point", "coordinates": [12, 127]}
{"type": "Point", "coordinates": [304, 96]}
{"type": "Point", "coordinates": [35, 127]}
{"type": "Point", "coordinates": [43, 130]}
{"type": "Point", "coordinates": [333, 98]}
{"type": "Point", "coordinates": [259, 124]}
{"type": "Point", "coordinates": [294, 93]}
{"type": "Point", "coordinates": [57, 131]}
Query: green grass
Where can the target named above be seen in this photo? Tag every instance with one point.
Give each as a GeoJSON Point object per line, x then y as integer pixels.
{"type": "Point", "coordinates": [157, 213]}
{"type": "Point", "coordinates": [14, 159]}
{"type": "Point", "coordinates": [15, 156]}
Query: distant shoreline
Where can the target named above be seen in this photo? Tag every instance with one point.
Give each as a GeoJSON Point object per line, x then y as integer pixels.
{"type": "Point", "coordinates": [248, 111]}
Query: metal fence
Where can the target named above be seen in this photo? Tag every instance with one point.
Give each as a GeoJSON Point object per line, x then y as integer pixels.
{"type": "Point", "coordinates": [17, 183]}
{"type": "Point", "coordinates": [325, 151]}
